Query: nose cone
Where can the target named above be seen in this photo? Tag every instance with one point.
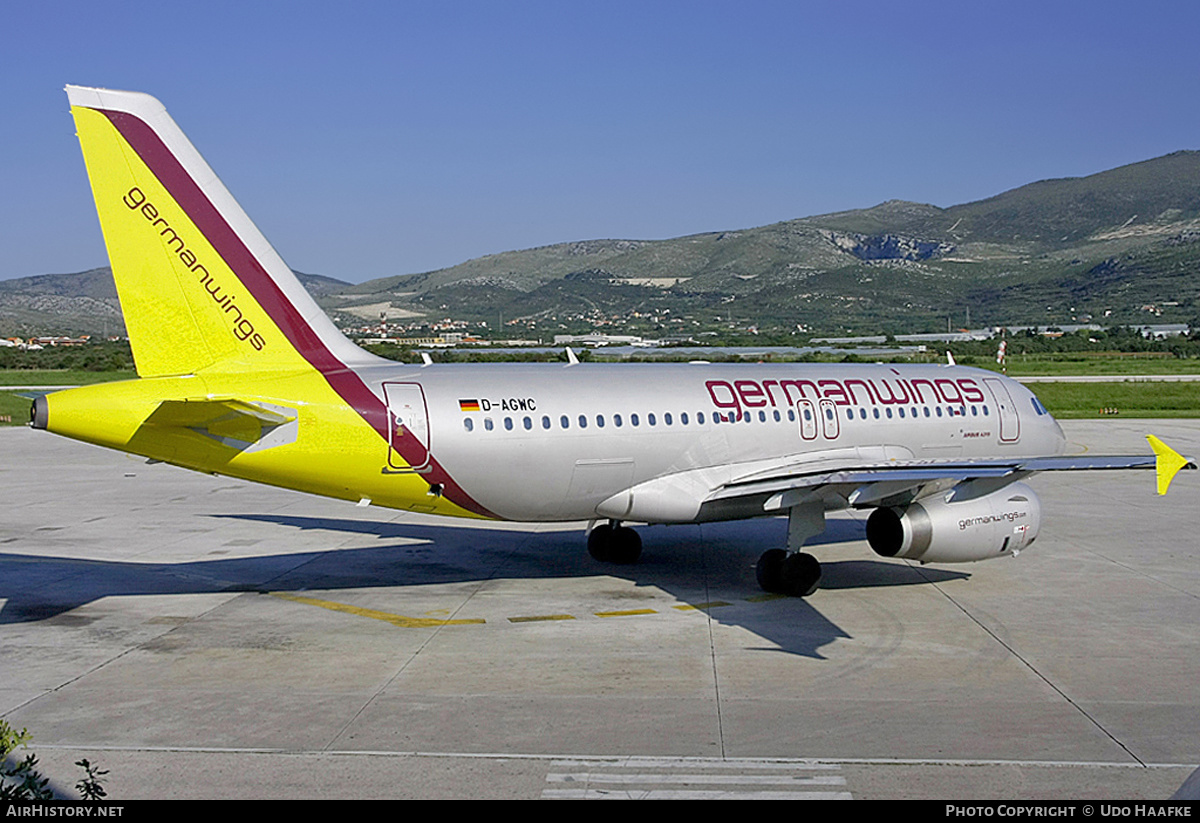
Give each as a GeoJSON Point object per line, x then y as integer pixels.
{"type": "Point", "coordinates": [1048, 436]}
{"type": "Point", "coordinates": [1058, 439]}
{"type": "Point", "coordinates": [39, 412]}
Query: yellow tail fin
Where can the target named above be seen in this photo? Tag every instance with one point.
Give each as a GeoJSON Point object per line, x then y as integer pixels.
{"type": "Point", "coordinates": [198, 283]}
{"type": "Point", "coordinates": [241, 372]}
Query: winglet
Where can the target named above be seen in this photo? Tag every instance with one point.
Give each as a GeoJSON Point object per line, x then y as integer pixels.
{"type": "Point", "coordinates": [1168, 462]}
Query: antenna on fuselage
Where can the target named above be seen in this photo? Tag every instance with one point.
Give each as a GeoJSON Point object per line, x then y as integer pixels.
{"type": "Point", "coordinates": [572, 360]}
{"type": "Point", "coordinates": [950, 358]}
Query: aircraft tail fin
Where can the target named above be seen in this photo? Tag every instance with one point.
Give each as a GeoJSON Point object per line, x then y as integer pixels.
{"type": "Point", "coordinates": [199, 284]}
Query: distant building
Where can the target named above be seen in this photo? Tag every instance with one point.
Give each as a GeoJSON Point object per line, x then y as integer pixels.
{"type": "Point", "coordinates": [596, 340]}
{"type": "Point", "coordinates": [60, 341]}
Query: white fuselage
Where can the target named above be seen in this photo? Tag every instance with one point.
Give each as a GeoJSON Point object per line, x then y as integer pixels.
{"type": "Point", "coordinates": [555, 442]}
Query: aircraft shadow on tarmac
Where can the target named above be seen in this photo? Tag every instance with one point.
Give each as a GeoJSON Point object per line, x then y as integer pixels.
{"type": "Point", "coordinates": [695, 564]}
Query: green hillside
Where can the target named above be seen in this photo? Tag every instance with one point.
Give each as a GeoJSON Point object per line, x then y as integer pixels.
{"type": "Point", "coordinates": [86, 303]}
{"type": "Point", "coordinates": [1115, 247]}
{"type": "Point", "coordinates": [1118, 246]}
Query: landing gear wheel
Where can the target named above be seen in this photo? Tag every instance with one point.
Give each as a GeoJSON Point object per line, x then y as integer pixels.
{"type": "Point", "coordinates": [614, 544]}
{"type": "Point", "coordinates": [769, 570]}
{"type": "Point", "coordinates": [796, 574]}
{"type": "Point", "coordinates": [801, 574]}
{"type": "Point", "coordinates": [600, 543]}
{"type": "Point", "coordinates": [626, 546]}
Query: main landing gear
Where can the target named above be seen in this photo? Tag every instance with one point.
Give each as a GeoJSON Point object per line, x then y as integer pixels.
{"type": "Point", "coordinates": [791, 572]}
{"type": "Point", "coordinates": [794, 572]}
{"type": "Point", "coordinates": [613, 543]}
{"type": "Point", "coordinates": [797, 574]}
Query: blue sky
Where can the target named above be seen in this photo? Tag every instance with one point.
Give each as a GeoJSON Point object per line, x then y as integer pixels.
{"type": "Point", "coordinates": [374, 139]}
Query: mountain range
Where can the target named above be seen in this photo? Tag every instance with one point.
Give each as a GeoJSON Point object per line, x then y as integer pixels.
{"type": "Point", "coordinates": [1117, 246]}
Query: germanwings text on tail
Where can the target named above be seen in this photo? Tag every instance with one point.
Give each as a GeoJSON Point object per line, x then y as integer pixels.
{"type": "Point", "coordinates": [241, 374]}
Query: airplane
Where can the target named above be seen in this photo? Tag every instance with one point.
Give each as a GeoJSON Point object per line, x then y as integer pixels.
{"type": "Point", "coordinates": [240, 373]}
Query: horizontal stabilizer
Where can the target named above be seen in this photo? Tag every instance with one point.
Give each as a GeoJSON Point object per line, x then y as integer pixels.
{"type": "Point", "coordinates": [235, 423]}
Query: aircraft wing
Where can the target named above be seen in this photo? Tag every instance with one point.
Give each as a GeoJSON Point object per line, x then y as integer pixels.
{"type": "Point", "coordinates": [850, 478]}
{"type": "Point", "coordinates": [898, 482]}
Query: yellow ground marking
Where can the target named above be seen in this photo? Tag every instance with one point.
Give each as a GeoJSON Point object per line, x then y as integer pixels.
{"type": "Point", "coordinates": [395, 619]}
{"type": "Point", "coordinates": [428, 622]}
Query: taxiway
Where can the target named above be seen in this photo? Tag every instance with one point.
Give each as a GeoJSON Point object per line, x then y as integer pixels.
{"type": "Point", "coordinates": [206, 637]}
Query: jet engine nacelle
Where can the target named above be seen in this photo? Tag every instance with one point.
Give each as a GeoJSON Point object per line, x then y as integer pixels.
{"type": "Point", "coordinates": [934, 531]}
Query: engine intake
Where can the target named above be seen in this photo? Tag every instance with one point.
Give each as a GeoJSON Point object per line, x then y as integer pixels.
{"type": "Point", "coordinates": [934, 531]}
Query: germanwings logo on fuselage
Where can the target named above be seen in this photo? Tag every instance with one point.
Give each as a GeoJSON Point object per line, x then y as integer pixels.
{"type": "Point", "coordinates": [737, 395]}
{"type": "Point", "coordinates": [135, 199]}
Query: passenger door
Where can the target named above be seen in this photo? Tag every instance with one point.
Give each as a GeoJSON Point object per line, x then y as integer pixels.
{"type": "Point", "coordinates": [1010, 423]}
{"type": "Point", "coordinates": [408, 427]}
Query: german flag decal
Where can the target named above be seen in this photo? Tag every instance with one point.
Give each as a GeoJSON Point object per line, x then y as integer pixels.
{"type": "Point", "coordinates": [468, 405]}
